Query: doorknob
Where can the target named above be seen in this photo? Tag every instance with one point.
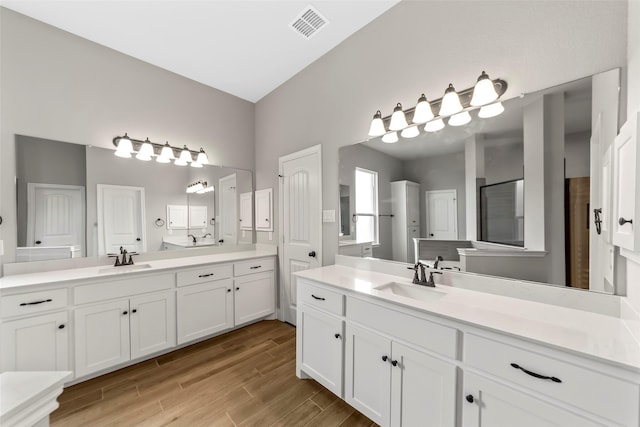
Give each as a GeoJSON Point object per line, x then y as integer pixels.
{"type": "Point", "coordinates": [38, 242]}
{"type": "Point", "coordinates": [312, 254]}
{"type": "Point", "coordinates": [430, 234]}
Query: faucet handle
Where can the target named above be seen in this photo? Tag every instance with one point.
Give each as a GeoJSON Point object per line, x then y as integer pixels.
{"type": "Point", "coordinates": [416, 279]}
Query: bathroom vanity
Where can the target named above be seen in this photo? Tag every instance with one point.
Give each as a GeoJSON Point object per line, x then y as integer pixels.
{"type": "Point", "coordinates": [97, 319]}
{"type": "Point", "coordinates": [409, 355]}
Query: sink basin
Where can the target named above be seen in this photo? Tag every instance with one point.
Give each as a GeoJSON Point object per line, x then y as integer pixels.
{"type": "Point", "coordinates": [124, 268]}
{"type": "Point", "coordinates": [416, 292]}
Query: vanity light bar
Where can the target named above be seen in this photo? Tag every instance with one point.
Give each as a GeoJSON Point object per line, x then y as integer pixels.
{"type": "Point", "coordinates": [454, 104]}
{"type": "Point", "coordinates": [164, 153]}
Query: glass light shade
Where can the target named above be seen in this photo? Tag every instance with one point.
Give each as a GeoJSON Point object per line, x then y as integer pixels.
{"type": "Point", "coordinates": [196, 164]}
{"type": "Point", "coordinates": [124, 148]}
{"type": "Point", "coordinates": [450, 102]}
{"type": "Point", "coordinates": [390, 137]}
{"type": "Point", "coordinates": [460, 119]}
{"type": "Point", "coordinates": [434, 125]}
{"type": "Point", "coordinates": [410, 132]}
{"type": "Point", "coordinates": [422, 112]}
{"type": "Point", "coordinates": [145, 152]}
{"type": "Point", "coordinates": [377, 125]}
{"type": "Point", "coordinates": [202, 158]}
{"type": "Point", "coordinates": [484, 92]}
{"type": "Point", "coordinates": [195, 187]}
{"type": "Point", "coordinates": [166, 154]}
{"type": "Point", "coordinates": [161, 159]}
{"type": "Point", "coordinates": [185, 157]}
{"type": "Point", "coordinates": [491, 110]}
{"type": "Point", "coordinates": [206, 190]}
{"type": "Point", "coordinates": [398, 119]}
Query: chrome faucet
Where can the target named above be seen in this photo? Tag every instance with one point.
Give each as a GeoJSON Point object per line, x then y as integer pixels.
{"type": "Point", "coordinates": [205, 236]}
{"type": "Point", "coordinates": [194, 240]}
{"type": "Point", "coordinates": [124, 261]}
{"type": "Point", "coordinates": [437, 261]}
{"type": "Point", "coordinates": [422, 279]}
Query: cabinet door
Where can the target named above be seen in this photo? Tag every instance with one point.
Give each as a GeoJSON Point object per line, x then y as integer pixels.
{"type": "Point", "coordinates": [626, 233]}
{"type": "Point", "coordinates": [264, 210]}
{"type": "Point", "coordinates": [197, 216]}
{"type": "Point", "coordinates": [486, 403]}
{"type": "Point", "coordinates": [254, 297]}
{"type": "Point", "coordinates": [413, 205]}
{"type": "Point", "coordinates": [423, 389]}
{"type": "Point", "coordinates": [321, 348]}
{"type": "Point", "coordinates": [368, 373]}
{"type": "Point", "coordinates": [246, 211]}
{"type": "Point", "coordinates": [39, 343]}
{"type": "Point", "coordinates": [102, 336]}
{"type": "Point", "coordinates": [152, 323]}
{"type": "Point", "coordinates": [204, 309]}
{"type": "Point", "coordinates": [177, 217]}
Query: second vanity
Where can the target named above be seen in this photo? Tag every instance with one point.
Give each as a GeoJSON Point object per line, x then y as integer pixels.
{"type": "Point", "coordinates": [94, 320]}
{"type": "Point", "coordinates": [406, 355]}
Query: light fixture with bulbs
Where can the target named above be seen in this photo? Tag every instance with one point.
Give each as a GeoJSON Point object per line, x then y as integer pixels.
{"type": "Point", "coordinates": [199, 187]}
{"type": "Point", "coordinates": [164, 153]}
{"type": "Point", "coordinates": [455, 105]}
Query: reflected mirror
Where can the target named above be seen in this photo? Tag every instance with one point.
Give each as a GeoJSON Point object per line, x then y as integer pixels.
{"type": "Point", "coordinates": [75, 200]}
{"type": "Point", "coordinates": [472, 192]}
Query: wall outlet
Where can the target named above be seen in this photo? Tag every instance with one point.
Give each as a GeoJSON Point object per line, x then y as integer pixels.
{"type": "Point", "coordinates": [329, 215]}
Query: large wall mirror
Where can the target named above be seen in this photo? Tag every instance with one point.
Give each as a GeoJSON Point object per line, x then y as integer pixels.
{"type": "Point", "coordinates": [477, 196]}
{"type": "Point", "coordinates": [75, 201]}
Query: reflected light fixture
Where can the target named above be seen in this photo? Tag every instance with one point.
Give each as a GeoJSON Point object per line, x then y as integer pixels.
{"type": "Point", "coordinates": [434, 125]}
{"type": "Point", "coordinates": [491, 110]}
{"type": "Point", "coordinates": [377, 125]}
{"type": "Point", "coordinates": [398, 119]}
{"type": "Point", "coordinates": [450, 102]}
{"type": "Point", "coordinates": [390, 137]}
{"type": "Point", "coordinates": [196, 187]}
{"type": "Point", "coordinates": [206, 189]}
{"type": "Point", "coordinates": [423, 112]}
{"type": "Point", "coordinates": [165, 153]}
{"type": "Point", "coordinates": [484, 91]}
{"type": "Point", "coordinates": [460, 119]}
{"type": "Point", "coordinates": [410, 132]}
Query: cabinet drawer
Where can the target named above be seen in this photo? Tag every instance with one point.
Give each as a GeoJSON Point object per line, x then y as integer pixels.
{"type": "Point", "coordinates": [119, 288]}
{"type": "Point", "coordinates": [321, 298]}
{"type": "Point", "coordinates": [33, 302]}
{"type": "Point", "coordinates": [253, 266]}
{"type": "Point", "coordinates": [204, 274]}
{"type": "Point", "coordinates": [414, 330]}
{"type": "Point", "coordinates": [584, 388]}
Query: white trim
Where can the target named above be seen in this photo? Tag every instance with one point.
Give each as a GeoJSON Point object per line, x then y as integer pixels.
{"type": "Point", "coordinates": [474, 252]}
{"type": "Point", "coordinates": [143, 223]}
{"type": "Point", "coordinates": [455, 209]}
{"type": "Point", "coordinates": [313, 150]}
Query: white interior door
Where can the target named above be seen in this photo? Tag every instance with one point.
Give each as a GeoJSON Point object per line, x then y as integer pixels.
{"type": "Point", "coordinates": [442, 214]}
{"type": "Point", "coordinates": [300, 221]}
{"type": "Point", "coordinates": [55, 215]}
{"type": "Point", "coordinates": [229, 209]}
{"type": "Point", "coordinates": [121, 220]}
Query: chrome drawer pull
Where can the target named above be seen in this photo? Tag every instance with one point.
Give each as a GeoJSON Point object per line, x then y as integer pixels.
{"type": "Point", "coordinates": [255, 266]}
{"type": "Point", "coordinates": [533, 374]}
{"type": "Point", "coordinates": [318, 298]}
{"type": "Point", "coordinates": [35, 302]}
{"type": "Point", "coordinates": [206, 275]}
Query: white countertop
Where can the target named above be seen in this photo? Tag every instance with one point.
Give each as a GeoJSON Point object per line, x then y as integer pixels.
{"type": "Point", "coordinates": [593, 335]}
{"type": "Point", "coordinates": [98, 272]}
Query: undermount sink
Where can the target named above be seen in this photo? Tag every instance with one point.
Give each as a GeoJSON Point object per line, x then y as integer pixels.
{"type": "Point", "coordinates": [417, 292]}
{"type": "Point", "coordinates": [124, 268]}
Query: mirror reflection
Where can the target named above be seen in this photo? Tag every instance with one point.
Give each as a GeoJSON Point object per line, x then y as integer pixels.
{"type": "Point", "coordinates": [75, 200]}
{"type": "Point", "coordinates": [505, 196]}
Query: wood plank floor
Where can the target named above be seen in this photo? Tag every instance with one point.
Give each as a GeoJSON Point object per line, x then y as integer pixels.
{"type": "Point", "coordinates": [243, 378]}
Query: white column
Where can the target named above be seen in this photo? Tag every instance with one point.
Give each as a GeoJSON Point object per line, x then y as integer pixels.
{"type": "Point", "coordinates": [474, 169]}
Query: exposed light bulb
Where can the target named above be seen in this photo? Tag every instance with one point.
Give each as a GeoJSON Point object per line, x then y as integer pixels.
{"type": "Point", "coordinates": [434, 125]}
{"type": "Point", "coordinates": [146, 151]}
{"type": "Point", "coordinates": [450, 102]}
{"type": "Point", "coordinates": [398, 119]}
{"type": "Point", "coordinates": [422, 112]}
{"type": "Point", "coordinates": [410, 132]}
{"type": "Point", "coordinates": [390, 137]}
{"type": "Point", "coordinates": [377, 125]}
{"type": "Point", "coordinates": [491, 110]}
{"type": "Point", "coordinates": [124, 148]}
{"type": "Point", "coordinates": [202, 158]}
{"type": "Point", "coordinates": [484, 91]}
{"type": "Point", "coordinates": [460, 119]}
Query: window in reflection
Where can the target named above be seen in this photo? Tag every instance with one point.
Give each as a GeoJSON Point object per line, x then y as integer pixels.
{"type": "Point", "coordinates": [366, 205]}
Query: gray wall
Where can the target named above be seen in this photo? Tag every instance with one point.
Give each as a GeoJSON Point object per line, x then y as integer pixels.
{"type": "Point", "coordinates": [59, 86]}
{"type": "Point", "coordinates": [503, 163]}
{"type": "Point", "coordinates": [440, 173]}
{"type": "Point", "coordinates": [531, 44]}
{"type": "Point", "coordinates": [389, 169]}
{"type": "Point", "coordinates": [576, 154]}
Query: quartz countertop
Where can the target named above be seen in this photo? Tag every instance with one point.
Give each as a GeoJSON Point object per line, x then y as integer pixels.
{"type": "Point", "coordinates": [105, 271]}
{"type": "Point", "coordinates": [591, 335]}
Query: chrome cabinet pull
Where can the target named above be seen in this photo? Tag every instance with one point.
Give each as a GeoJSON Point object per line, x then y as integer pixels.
{"type": "Point", "coordinates": [36, 302]}
{"type": "Point", "coordinates": [533, 374]}
{"type": "Point", "coordinates": [623, 221]}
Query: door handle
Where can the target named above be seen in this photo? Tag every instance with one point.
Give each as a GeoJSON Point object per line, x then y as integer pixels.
{"type": "Point", "coordinates": [138, 239]}
{"type": "Point", "coordinates": [38, 242]}
{"type": "Point", "coordinates": [312, 254]}
{"type": "Point", "coordinates": [430, 234]}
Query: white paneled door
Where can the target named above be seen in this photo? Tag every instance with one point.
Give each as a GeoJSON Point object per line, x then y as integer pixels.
{"type": "Point", "coordinates": [228, 210]}
{"type": "Point", "coordinates": [442, 214]}
{"type": "Point", "coordinates": [121, 220]}
{"type": "Point", "coordinates": [300, 221]}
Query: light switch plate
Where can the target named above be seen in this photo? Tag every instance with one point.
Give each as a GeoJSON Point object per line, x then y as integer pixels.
{"type": "Point", "coordinates": [329, 215]}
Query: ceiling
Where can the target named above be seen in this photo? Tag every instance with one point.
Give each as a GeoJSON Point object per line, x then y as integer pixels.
{"type": "Point", "coordinates": [245, 48]}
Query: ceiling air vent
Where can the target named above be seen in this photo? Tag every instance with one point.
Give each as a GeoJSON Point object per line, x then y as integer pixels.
{"type": "Point", "coordinates": [308, 23]}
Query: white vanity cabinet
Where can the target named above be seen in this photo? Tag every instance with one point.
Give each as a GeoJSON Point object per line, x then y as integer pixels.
{"type": "Point", "coordinates": [320, 336]}
{"type": "Point", "coordinates": [204, 301]}
{"type": "Point", "coordinates": [254, 290]}
{"type": "Point", "coordinates": [34, 331]}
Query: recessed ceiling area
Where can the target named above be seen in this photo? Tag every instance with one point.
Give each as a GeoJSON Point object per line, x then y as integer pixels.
{"type": "Point", "coordinates": [245, 48]}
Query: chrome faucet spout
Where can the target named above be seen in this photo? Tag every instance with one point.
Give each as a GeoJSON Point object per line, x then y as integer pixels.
{"type": "Point", "coordinates": [205, 236]}
{"type": "Point", "coordinates": [437, 261]}
{"type": "Point", "coordinates": [194, 240]}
